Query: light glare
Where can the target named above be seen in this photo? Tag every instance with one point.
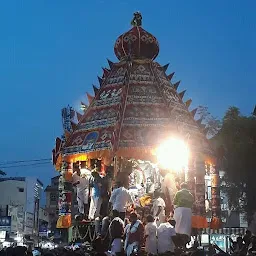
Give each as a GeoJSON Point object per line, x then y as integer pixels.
{"type": "Point", "coordinates": [173, 155]}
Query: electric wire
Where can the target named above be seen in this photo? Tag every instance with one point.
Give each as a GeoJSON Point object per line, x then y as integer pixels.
{"type": "Point", "coordinates": [24, 165]}
{"type": "Point", "coordinates": [25, 161]}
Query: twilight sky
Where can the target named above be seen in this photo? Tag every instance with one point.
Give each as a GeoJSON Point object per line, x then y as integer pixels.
{"type": "Point", "coordinates": [52, 51]}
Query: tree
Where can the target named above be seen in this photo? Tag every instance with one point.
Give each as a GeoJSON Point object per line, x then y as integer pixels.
{"type": "Point", "coordinates": [237, 139]}
{"type": "Point", "coordinates": [211, 123]}
{"type": "Point", "coordinates": [2, 173]}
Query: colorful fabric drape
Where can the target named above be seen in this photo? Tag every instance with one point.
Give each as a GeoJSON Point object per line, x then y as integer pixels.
{"type": "Point", "coordinates": [216, 203]}
{"type": "Point", "coordinates": [199, 219]}
{"type": "Point", "coordinates": [65, 196]}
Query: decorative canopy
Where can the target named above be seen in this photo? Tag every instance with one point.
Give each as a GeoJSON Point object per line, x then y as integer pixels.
{"type": "Point", "coordinates": [136, 107]}
{"type": "Point", "coordinates": [136, 43]}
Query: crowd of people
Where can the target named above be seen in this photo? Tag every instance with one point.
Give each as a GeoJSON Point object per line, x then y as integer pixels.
{"type": "Point", "coordinates": [126, 225]}
{"type": "Point", "coordinates": [244, 245]}
{"type": "Point", "coordinates": [132, 226]}
{"type": "Point", "coordinates": [158, 241]}
{"type": "Point", "coordinates": [95, 198]}
{"type": "Point", "coordinates": [159, 231]}
{"type": "Point", "coordinates": [158, 228]}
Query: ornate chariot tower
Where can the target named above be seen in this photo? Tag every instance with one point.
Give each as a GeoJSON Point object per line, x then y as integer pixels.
{"type": "Point", "coordinates": [135, 107]}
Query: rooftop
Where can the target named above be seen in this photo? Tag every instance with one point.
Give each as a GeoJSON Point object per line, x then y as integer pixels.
{"type": "Point", "coordinates": [20, 179]}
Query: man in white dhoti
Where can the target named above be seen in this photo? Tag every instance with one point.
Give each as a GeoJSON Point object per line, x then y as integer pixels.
{"type": "Point", "coordinates": [81, 182]}
{"type": "Point", "coordinates": [183, 203]}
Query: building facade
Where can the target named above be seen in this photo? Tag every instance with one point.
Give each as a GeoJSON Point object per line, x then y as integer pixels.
{"type": "Point", "coordinates": [21, 197]}
{"type": "Point", "coordinates": [43, 222]}
{"type": "Point", "coordinates": [52, 195]}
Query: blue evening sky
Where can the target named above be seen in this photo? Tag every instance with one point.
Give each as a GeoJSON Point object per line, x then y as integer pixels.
{"type": "Point", "coordinates": [51, 52]}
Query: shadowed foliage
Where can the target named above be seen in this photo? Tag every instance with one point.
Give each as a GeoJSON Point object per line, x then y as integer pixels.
{"type": "Point", "coordinates": [236, 149]}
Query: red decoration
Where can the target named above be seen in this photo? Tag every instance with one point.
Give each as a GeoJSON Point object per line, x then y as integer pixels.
{"type": "Point", "coordinates": [136, 43]}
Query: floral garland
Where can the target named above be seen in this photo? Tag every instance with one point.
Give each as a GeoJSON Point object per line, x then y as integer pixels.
{"type": "Point", "coordinates": [77, 234]}
{"type": "Point", "coordinates": [89, 232]}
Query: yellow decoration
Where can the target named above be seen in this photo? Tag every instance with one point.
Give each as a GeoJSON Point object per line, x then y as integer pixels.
{"type": "Point", "coordinates": [79, 158]}
{"type": "Point", "coordinates": [145, 200]}
{"type": "Point", "coordinates": [64, 221]}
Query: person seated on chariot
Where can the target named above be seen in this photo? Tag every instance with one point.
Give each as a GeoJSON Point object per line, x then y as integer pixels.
{"type": "Point", "coordinates": [150, 186]}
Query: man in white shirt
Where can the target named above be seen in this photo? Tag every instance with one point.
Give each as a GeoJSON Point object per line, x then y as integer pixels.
{"type": "Point", "coordinates": [158, 208]}
{"type": "Point", "coordinates": [120, 199]}
{"type": "Point", "coordinates": [81, 182]}
{"type": "Point", "coordinates": [165, 233]}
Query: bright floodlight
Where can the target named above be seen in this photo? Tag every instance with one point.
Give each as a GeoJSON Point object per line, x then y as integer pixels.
{"type": "Point", "coordinates": [173, 154]}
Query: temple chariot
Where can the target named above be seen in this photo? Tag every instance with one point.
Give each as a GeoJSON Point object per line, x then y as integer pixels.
{"type": "Point", "coordinates": [138, 124]}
